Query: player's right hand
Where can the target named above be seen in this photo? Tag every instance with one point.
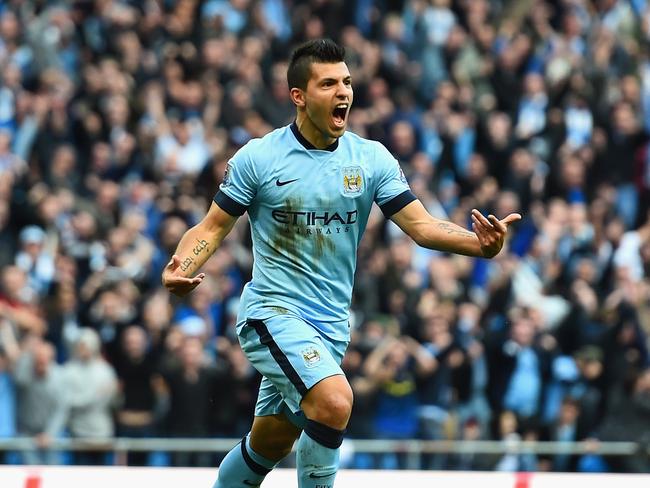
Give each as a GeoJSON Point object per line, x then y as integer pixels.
{"type": "Point", "coordinates": [175, 281]}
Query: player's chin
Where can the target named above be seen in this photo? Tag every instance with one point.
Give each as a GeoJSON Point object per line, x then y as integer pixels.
{"type": "Point", "coordinates": [337, 126]}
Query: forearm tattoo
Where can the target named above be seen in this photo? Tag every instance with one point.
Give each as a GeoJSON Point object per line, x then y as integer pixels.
{"type": "Point", "coordinates": [452, 229]}
{"type": "Point", "coordinates": [201, 247]}
{"type": "Point", "coordinates": [186, 263]}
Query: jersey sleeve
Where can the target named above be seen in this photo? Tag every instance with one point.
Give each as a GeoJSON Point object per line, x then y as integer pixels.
{"type": "Point", "coordinates": [240, 182]}
{"type": "Point", "coordinates": [393, 192]}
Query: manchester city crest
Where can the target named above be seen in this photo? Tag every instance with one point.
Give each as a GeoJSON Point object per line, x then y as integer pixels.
{"type": "Point", "coordinates": [310, 356]}
{"type": "Point", "coordinates": [353, 182]}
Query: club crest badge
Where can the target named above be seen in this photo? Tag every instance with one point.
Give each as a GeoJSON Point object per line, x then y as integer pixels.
{"type": "Point", "coordinates": [227, 175]}
{"type": "Point", "coordinates": [353, 181]}
{"type": "Point", "coordinates": [310, 356]}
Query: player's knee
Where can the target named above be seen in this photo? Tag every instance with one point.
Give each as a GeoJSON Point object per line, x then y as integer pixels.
{"type": "Point", "coordinates": [332, 407]}
{"type": "Point", "coordinates": [339, 405]}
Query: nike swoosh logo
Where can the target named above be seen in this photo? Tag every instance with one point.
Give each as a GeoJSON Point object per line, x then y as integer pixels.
{"type": "Point", "coordinates": [316, 476]}
{"type": "Point", "coordinates": [249, 483]}
{"type": "Point", "coordinates": [282, 183]}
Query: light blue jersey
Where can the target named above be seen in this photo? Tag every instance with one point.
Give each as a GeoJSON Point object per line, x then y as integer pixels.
{"type": "Point", "coordinates": [308, 209]}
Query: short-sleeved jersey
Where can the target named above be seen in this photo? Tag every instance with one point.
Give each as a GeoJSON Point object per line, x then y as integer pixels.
{"type": "Point", "coordinates": [308, 209]}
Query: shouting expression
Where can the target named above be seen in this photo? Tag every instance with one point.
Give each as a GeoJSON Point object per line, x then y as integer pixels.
{"type": "Point", "coordinates": [326, 102]}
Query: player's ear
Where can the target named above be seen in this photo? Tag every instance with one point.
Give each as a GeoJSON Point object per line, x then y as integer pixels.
{"type": "Point", "coordinates": [297, 97]}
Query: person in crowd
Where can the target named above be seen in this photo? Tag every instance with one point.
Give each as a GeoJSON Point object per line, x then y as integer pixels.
{"type": "Point", "coordinates": [41, 400]}
{"type": "Point", "coordinates": [90, 394]}
{"type": "Point", "coordinates": [139, 389]}
{"type": "Point", "coordinates": [192, 388]}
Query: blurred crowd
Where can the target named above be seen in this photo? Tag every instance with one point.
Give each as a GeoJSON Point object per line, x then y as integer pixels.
{"type": "Point", "coordinates": [117, 118]}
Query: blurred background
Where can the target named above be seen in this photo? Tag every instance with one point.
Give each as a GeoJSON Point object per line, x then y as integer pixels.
{"type": "Point", "coordinates": [117, 118]}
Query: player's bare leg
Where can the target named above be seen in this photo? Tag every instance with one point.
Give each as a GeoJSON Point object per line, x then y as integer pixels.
{"type": "Point", "coordinates": [327, 407]}
{"type": "Point", "coordinates": [273, 436]}
{"type": "Point", "coordinates": [270, 440]}
{"type": "Point", "coordinates": [329, 402]}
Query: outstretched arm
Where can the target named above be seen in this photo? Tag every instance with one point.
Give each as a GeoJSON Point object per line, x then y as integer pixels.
{"type": "Point", "coordinates": [194, 249]}
{"type": "Point", "coordinates": [486, 240]}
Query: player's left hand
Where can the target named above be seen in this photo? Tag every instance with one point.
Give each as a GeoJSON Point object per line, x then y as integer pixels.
{"type": "Point", "coordinates": [175, 282]}
{"type": "Point", "coordinates": [491, 232]}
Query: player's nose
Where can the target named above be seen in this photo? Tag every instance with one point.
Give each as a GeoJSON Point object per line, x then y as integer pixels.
{"type": "Point", "coordinates": [343, 91]}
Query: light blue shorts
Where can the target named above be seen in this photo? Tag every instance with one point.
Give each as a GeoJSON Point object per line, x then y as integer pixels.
{"type": "Point", "coordinates": [292, 356]}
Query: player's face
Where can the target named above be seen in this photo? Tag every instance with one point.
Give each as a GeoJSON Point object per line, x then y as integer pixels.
{"type": "Point", "coordinates": [328, 98]}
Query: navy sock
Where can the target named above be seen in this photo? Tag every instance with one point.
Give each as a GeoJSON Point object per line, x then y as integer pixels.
{"type": "Point", "coordinates": [243, 467]}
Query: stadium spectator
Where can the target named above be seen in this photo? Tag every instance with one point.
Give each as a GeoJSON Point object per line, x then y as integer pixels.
{"type": "Point", "coordinates": [136, 371]}
{"type": "Point", "coordinates": [393, 366]}
{"type": "Point", "coordinates": [19, 303]}
{"type": "Point", "coordinates": [41, 401]}
{"type": "Point", "coordinates": [9, 350]}
{"type": "Point", "coordinates": [518, 366]}
{"type": "Point", "coordinates": [627, 419]}
{"type": "Point", "coordinates": [35, 257]}
{"type": "Point", "coordinates": [192, 387]}
{"type": "Point", "coordinates": [566, 428]}
{"type": "Point", "coordinates": [90, 392]}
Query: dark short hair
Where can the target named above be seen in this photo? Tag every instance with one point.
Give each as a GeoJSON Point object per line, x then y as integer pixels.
{"type": "Point", "coordinates": [315, 51]}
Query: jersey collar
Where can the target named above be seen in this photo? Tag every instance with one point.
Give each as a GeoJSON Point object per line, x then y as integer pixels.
{"type": "Point", "coordinates": [308, 145]}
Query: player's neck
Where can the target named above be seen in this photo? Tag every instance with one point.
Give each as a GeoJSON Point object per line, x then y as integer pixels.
{"type": "Point", "coordinates": [311, 133]}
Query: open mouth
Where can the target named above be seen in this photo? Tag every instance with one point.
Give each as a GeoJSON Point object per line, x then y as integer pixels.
{"type": "Point", "coordinates": [340, 113]}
